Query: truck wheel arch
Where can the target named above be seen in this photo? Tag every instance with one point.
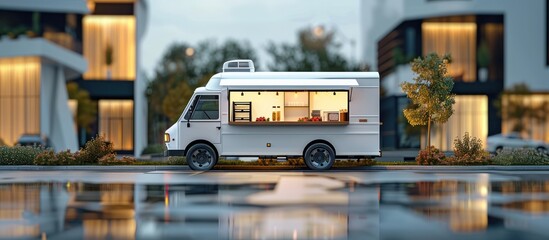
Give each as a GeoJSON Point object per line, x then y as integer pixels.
{"type": "Point", "coordinates": [319, 141]}
{"type": "Point", "coordinates": [201, 141]}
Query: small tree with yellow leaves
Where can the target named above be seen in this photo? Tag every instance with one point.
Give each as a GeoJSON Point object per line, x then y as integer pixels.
{"type": "Point", "coordinates": [430, 92]}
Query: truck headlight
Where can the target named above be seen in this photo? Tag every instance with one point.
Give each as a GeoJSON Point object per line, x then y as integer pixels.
{"type": "Point", "coordinates": [166, 137]}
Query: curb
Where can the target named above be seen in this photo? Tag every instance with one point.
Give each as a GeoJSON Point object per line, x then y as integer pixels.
{"type": "Point", "coordinates": [147, 168]}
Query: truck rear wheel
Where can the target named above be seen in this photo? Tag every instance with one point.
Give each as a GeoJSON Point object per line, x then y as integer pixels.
{"type": "Point", "coordinates": [201, 157]}
{"type": "Point", "coordinates": [319, 156]}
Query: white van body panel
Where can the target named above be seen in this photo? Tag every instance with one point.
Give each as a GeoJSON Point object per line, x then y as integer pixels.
{"type": "Point", "coordinates": [360, 137]}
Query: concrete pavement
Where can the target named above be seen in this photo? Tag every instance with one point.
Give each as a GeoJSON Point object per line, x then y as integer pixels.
{"type": "Point", "coordinates": [147, 168]}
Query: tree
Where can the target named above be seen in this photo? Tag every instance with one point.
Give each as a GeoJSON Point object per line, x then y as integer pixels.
{"type": "Point", "coordinates": [86, 110]}
{"type": "Point", "coordinates": [513, 106]}
{"type": "Point", "coordinates": [430, 92]}
{"type": "Point", "coordinates": [182, 69]}
{"type": "Point", "coordinates": [316, 50]}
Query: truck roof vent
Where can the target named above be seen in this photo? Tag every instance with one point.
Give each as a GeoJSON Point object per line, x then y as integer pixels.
{"type": "Point", "coordinates": [239, 65]}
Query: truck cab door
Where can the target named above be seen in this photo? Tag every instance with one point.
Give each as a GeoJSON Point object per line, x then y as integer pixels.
{"type": "Point", "coordinates": [201, 121]}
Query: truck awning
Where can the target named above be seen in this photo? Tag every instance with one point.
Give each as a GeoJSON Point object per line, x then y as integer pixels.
{"type": "Point", "coordinates": [288, 84]}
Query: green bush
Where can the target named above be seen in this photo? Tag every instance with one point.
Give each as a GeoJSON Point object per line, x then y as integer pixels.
{"type": "Point", "coordinates": [521, 156]}
{"type": "Point", "coordinates": [153, 148]}
{"type": "Point", "coordinates": [177, 161]}
{"type": "Point", "coordinates": [430, 157]}
{"type": "Point", "coordinates": [19, 155]}
{"type": "Point", "coordinates": [468, 151]}
{"type": "Point", "coordinates": [94, 149]}
{"type": "Point", "coordinates": [50, 158]}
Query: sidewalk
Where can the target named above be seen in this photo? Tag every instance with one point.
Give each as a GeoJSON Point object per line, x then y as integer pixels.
{"type": "Point", "coordinates": [148, 168]}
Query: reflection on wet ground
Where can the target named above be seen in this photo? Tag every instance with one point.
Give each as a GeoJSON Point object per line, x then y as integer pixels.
{"type": "Point", "coordinates": [276, 205]}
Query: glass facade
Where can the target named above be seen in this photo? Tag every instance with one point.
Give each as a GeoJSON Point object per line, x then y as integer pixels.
{"type": "Point", "coordinates": [19, 98]}
{"type": "Point", "coordinates": [116, 123]}
{"type": "Point", "coordinates": [458, 39]}
{"type": "Point", "coordinates": [536, 123]}
{"type": "Point", "coordinates": [109, 47]}
{"type": "Point", "coordinates": [470, 115]}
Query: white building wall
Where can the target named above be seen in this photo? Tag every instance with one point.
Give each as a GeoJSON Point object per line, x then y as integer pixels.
{"type": "Point", "coordinates": [524, 21]}
{"type": "Point", "coordinates": [140, 84]}
{"type": "Point", "coordinates": [55, 117]}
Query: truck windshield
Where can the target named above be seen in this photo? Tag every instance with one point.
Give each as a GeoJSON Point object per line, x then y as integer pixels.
{"type": "Point", "coordinates": [204, 107]}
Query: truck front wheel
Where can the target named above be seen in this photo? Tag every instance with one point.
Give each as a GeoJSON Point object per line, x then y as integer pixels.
{"type": "Point", "coordinates": [319, 156]}
{"type": "Point", "coordinates": [201, 157]}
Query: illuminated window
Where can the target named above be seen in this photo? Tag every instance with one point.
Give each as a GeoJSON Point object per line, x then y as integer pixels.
{"type": "Point", "coordinates": [288, 106]}
{"type": "Point", "coordinates": [19, 97]}
{"type": "Point", "coordinates": [458, 39]}
{"type": "Point", "coordinates": [116, 123]}
{"type": "Point", "coordinates": [109, 39]}
{"type": "Point", "coordinates": [536, 126]}
{"type": "Point", "coordinates": [470, 115]}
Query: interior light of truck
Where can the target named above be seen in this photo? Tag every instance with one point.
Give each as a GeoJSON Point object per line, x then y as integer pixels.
{"type": "Point", "coordinates": [166, 137]}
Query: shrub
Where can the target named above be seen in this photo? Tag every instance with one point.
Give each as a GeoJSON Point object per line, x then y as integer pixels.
{"type": "Point", "coordinates": [432, 157]}
{"type": "Point", "coordinates": [94, 149]}
{"type": "Point", "coordinates": [45, 158]}
{"type": "Point", "coordinates": [127, 160]}
{"type": "Point", "coordinates": [19, 155]}
{"type": "Point", "coordinates": [177, 161]}
{"type": "Point", "coordinates": [296, 161]}
{"type": "Point", "coordinates": [468, 151]}
{"type": "Point", "coordinates": [266, 161]}
{"type": "Point", "coordinates": [521, 156]}
{"type": "Point", "coordinates": [108, 159]}
{"type": "Point", "coordinates": [153, 148]}
{"type": "Point", "coordinates": [66, 158]}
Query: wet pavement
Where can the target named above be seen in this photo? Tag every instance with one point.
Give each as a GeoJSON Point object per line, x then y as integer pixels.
{"type": "Point", "coordinates": [274, 205]}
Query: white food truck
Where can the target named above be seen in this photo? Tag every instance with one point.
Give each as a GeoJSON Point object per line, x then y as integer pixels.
{"type": "Point", "coordinates": [319, 116]}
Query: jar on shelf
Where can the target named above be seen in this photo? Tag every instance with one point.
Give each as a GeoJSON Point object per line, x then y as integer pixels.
{"type": "Point", "coordinates": [274, 113]}
{"type": "Point", "coordinates": [277, 113]}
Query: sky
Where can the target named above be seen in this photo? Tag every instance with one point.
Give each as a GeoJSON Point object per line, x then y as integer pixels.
{"type": "Point", "coordinates": [258, 22]}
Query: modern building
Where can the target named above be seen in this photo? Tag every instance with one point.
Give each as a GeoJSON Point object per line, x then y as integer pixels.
{"type": "Point", "coordinates": [495, 44]}
{"type": "Point", "coordinates": [94, 43]}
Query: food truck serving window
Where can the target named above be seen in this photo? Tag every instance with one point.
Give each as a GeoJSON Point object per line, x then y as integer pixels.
{"type": "Point", "coordinates": [289, 107]}
{"type": "Point", "coordinates": [204, 107]}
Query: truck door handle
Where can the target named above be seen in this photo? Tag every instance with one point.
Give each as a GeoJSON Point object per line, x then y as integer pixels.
{"type": "Point", "coordinates": [218, 128]}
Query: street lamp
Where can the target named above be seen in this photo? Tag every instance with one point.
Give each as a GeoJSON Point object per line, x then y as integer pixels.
{"type": "Point", "coordinates": [318, 31]}
{"type": "Point", "coordinates": [189, 52]}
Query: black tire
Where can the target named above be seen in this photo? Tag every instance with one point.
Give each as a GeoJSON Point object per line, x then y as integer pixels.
{"type": "Point", "coordinates": [319, 156]}
{"type": "Point", "coordinates": [201, 157]}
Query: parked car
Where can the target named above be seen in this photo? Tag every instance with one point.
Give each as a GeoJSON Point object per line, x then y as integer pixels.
{"type": "Point", "coordinates": [498, 142]}
{"type": "Point", "coordinates": [33, 140]}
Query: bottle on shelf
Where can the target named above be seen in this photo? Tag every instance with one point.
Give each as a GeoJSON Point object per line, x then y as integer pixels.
{"type": "Point", "coordinates": [277, 113]}
{"type": "Point", "coordinates": [274, 113]}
